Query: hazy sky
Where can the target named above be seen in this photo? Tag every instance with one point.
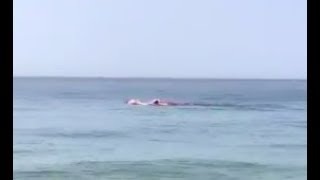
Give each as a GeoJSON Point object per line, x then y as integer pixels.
{"type": "Point", "coordinates": [160, 38]}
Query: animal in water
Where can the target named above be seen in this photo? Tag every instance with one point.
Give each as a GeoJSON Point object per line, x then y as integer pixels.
{"type": "Point", "coordinates": [154, 102]}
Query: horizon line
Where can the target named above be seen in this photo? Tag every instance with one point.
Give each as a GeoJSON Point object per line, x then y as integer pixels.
{"type": "Point", "coordinates": [172, 78]}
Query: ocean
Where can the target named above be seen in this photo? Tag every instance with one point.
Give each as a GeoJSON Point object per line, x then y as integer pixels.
{"type": "Point", "coordinates": [81, 128]}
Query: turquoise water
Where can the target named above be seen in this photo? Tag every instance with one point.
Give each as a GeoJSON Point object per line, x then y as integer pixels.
{"type": "Point", "coordinates": [80, 128]}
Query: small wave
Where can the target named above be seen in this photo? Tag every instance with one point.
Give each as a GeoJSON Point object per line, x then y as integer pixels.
{"type": "Point", "coordinates": [90, 134]}
{"type": "Point", "coordinates": [163, 169]}
{"type": "Point", "coordinates": [25, 109]}
{"type": "Point", "coordinates": [167, 141]}
{"type": "Point", "coordinates": [296, 125]}
{"type": "Point", "coordinates": [249, 107]}
{"type": "Point", "coordinates": [22, 151]}
{"type": "Point", "coordinates": [288, 145]}
{"type": "Point", "coordinates": [79, 95]}
{"type": "Point", "coordinates": [40, 174]}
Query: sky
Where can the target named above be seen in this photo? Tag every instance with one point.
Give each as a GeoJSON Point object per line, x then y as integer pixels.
{"type": "Point", "coordinates": [160, 38]}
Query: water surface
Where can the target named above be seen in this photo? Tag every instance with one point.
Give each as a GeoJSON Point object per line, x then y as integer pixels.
{"type": "Point", "coordinates": [80, 128]}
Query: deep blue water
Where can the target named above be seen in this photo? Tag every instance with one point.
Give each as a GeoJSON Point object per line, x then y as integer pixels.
{"type": "Point", "coordinates": [80, 128]}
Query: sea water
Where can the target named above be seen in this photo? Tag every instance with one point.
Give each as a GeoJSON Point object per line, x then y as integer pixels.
{"type": "Point", "coordinates": [81, 128]}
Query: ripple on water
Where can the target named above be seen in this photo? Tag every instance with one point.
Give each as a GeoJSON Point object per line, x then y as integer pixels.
{"type": "Point", "coordinates": [165, 169]}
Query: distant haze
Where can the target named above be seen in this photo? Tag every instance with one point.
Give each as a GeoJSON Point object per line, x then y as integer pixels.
{"type": "Point", "coordinates": [161, 38]}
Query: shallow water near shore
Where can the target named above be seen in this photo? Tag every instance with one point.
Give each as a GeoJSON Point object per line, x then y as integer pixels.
{"type": "Point", "coordinates": [80, 128]}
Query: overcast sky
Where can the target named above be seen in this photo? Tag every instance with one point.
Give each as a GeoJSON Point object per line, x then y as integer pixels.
{"type": "Point", "coordinates": [161, 38]}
